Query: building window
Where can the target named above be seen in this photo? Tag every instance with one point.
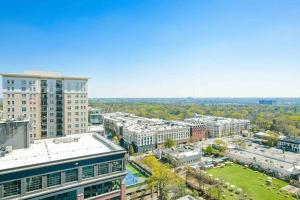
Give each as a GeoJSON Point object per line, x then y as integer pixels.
{"type": "Point", "coordinates": [71, 175]}
{"type": "Point", "coordinates": [103, 169]}
{"type": "Point", "coordinates": [87, 172]}
{"type": "Point", "coordinates": [23, 109]}
{"type": "Point", "coordinates": [11, 188]}
{"type": "Point", "coordinates": [34, 183]}
{"type": "Point", "coordinates": [102, 188]}
{"type": "Point", "coordinates": [53, 179]}
{"type": "Point", "coordinates": [116, 166]}
{"type": "Point", "coordinates": [63, 196]}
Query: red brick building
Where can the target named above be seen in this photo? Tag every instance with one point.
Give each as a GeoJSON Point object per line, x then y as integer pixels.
{"type": "Point", "coordinates": [198, 132]}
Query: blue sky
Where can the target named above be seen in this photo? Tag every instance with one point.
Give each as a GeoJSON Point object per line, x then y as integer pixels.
{"type": "Point", "coordinates": [158, 48]}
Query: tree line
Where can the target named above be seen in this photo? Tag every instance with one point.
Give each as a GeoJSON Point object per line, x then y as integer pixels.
{"type": "Point", "coordinates": [283, 119]}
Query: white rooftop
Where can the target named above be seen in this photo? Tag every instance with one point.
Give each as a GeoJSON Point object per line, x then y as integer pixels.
{"type": "Point", "coordinates": [96, 128]}
{"type": "Point", "coordinates": [47, 150]}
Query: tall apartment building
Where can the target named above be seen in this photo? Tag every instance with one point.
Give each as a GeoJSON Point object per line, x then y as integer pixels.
{"type": "Point", "coordinates": [56, 105]}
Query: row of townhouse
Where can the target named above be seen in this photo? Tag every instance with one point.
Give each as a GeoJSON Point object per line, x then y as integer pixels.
{"type": "Point", "coordinates": [147, 134]}
{"type": "Point", "coordinates": [220, 126]}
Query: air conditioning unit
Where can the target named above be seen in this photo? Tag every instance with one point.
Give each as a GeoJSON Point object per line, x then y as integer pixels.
{"type": "Point", "coordinates": [8, 149]}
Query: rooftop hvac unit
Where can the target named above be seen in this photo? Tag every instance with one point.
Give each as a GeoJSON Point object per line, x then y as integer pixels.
{"type": "Point", "coordinates": [2, 153]}
{"type": "Point", "coordinates": [2, 150]}
{"type": "Point", "coordinates": [8, 149]}
{"type": "Point", "coordinates": [10, 128]}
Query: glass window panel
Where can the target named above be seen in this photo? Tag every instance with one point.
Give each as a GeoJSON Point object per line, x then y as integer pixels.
{"type": "Point", "coordinates": [102, 188]}
{"type": "Point", "coordinates": [34, 183]}
{"type": "Point", "coordinates": [87, 172]}
{"type": "Point", "coordinates": [53, 179]}
{"type": "Point", "coordinates": [103, 168]}
{"type": "Point", "coordinates": [116, 166]}
{"type": "Point", "coordinates": [71, 175]}
{"type": "Point", "coordinates": [11, 188]}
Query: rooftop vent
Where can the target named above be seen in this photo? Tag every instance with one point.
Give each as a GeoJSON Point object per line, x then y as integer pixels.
{"type": "Point", "coordinates": [65, 140]}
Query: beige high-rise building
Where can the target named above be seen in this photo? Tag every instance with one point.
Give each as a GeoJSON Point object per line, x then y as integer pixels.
{"type": "Point", "coordinates": [56, 105]}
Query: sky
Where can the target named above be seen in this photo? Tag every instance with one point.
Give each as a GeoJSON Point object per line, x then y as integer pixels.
{"type": "Point", "coordinates": [158, 48]}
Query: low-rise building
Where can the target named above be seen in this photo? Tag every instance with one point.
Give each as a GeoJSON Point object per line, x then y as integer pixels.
{"type": "Point", "coordinates": [289, 144]}
{"type": "Point", "coordinates": [79, 166]}
{"type": "Point", "coordinates": [182, 155]}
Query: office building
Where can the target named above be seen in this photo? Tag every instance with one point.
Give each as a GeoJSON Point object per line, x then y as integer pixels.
{"type": "Point", "coordinates": [78, 166]}
{"type": "Point", "coordinates": [267, 102]}
{"type": "Point", "coordinates": [56, 105]}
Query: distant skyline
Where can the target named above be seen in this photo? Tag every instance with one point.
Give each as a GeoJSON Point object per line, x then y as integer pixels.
{"type": "Point", "coordinates": [158, 48]}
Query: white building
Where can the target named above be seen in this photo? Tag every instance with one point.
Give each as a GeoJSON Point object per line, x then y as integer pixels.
{"type": "Point", "coordinates": [221, 126]}
{"type": "Point", "coordinates": [146, 134]}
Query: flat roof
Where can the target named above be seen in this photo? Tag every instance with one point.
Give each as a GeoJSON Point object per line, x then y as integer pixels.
{"type": "Point", "coordinates": [42, 74]}
{"type": "Point", "coordinates": [58, 149]}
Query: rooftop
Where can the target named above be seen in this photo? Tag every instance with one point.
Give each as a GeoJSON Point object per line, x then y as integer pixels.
{"type": "Point", "coordinates": [41, 74]}
{"type": "Point", "coordinates": [214, 119]}
{"type": "Point", "coordinates": [58, 149]}
{"type": "Point", "coordinates": [184, 151]}
{"type": "Point", "coordinates": [291, 140]}
{"type": "Point", "coordinates": [138, 124]}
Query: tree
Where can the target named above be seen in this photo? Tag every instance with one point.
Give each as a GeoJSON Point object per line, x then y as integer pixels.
{"type": "Point", "coordinates": [221, 145]}
{"type": "Point", "coordinates": [131, 150]}
{"type": "Point", "coordinates": [116, 139]}
{"type": "Point", "coordinates": [163, 179]}
{"type": "Point", "coordinates": [169, 143]}
{"type": "Point", "coordinates": [210, 150]}
{"type": "Point", "coordinates": [240, 143]}
{"type": "Point", "coordinates": [272, 140]}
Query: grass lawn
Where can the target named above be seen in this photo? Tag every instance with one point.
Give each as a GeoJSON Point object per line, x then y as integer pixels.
{"type": "Point", "coordinates": [254, 183]}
